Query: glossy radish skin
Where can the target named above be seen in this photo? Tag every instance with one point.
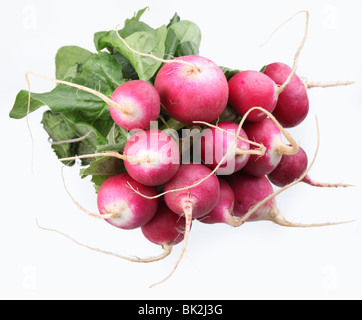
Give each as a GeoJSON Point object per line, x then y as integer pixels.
{"type": "Point", "coordinates": [249, 89]}
{"type": "Point", "coordinates": [165, 228]}
{"type": "Point", "coordinates": [158, 155]}
{"type": "Point", "coordinates": [189, 94]}
{"type": "Point", "coordinates": [116, 197]}
{"type": "Point", "coordinates": [141, 99]}
{"type": "Point", "coordinates": [249, 191]}
{"type": "Point", "coordinates": [289, 169]}
{"type": "Point", "coordinates": [267, 133]}
{"type": "Point", "coordinates": [223, 211]}
{"type": "Point", "coordinates": [293, 103]}
{"type": "Point", "coordinates": [203, 198]}
{"type": "Point", "coordinates": [214, 144]}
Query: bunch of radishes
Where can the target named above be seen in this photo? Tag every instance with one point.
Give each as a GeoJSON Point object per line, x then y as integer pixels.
{"type": "Point", "coordinates": [233, 163]}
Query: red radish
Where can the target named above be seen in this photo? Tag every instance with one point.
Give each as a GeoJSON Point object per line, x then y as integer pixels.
{"type": "Point", "coordinates": [191, 203]}
{"type": "Point", "coordinates": [166, 228]}
{"type": "Point", "coordinates": [129, 209]}
{"type": "Point", "coordinates": [293, 103]}
{"type": "Point", "coordinates": [251, 88]}
{"type": "Point", "coordinates": [267, 133]}
{"type": "Point", "coordinates": [142, 101]}
{"type": "Point", "coordinates": [133, 105]}
{"type": "Point", "coordinates": [194, 91]}
{"type": "Point", "coordinates": [249, 191]}
{"type": "Point", "coordinates": [153, 155]}
{"type": "Point", "coordinates": [223, 212]}
{"type": "Point", "coordinates": [214, 144]}
{"type": "Point", "coordinates": [202, 198]}
{"type": "Point", "coordinates": [291, 167]}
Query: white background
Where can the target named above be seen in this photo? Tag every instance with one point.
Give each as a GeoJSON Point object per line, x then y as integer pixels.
{"type": "Point", "coordinates": [259, 260]}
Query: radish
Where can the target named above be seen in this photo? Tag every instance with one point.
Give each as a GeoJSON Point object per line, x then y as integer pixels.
{"type": "Point", "coordinates": [223, 212]}
{"type": "Point", "coordinates": [197, 90]}
{"type": "Point", "coordinates": [268, 133]}
{"type": "Point", "coordinates": [191, 203]}
{"type": "Point", "coordinates": [249, 191]}
{"type": "Point", "coordinates": [252, 88]}
{"type": "Point", "coordinates": [291, 167]}
{"type": "Point", "coordinates": [157, 157]}
{"type": "Point", "coordinates": [142, 103]}
{"type": "Point", "coordinates": [133, 105]}
{"type": "Point", "coordinates": [166, 228]}
{"type": "Point", "coordinates": [293, 103]}
{"type": "Point", "coordinates": [128, 209]}
{"type": "Point", "coordinates": [151, 157]}
{"type": "Point", "coordinates": [214, 144]}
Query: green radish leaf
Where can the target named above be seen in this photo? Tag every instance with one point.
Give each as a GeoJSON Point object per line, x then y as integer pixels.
{"type": "Point", "coordinates": [139, 14]}
{"type": "Point", "coordinates": [186, 49]}
{"type": "Point", "coordinates": [103, 73]}
{"type": "Point", "coordinates": [103, 166]}
{"type": "Point", "coordinates": [57, 129]}
{"type": "Point", "coordinates": [101, 169]}
{"type": "Point", "coordinates": [69, 61]}
{"type": "Point", "coordinates": [229, 73]}
{"type": "Point", "coordinates": [60, 129]}
{"type": "Point", "coordinates": [187, 31]}
{"type": "Point", "coordinates": [143, 41]}
{"type": "Point", "coordinates": [262, 70]}
{"type": "Point", "coordinates": [176, 18]}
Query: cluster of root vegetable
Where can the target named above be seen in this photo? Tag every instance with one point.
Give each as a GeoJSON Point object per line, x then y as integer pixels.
{"type": "Point", "coordinates": [228, 176]}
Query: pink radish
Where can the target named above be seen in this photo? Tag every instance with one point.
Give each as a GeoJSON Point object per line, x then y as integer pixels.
{"type": "Point", "coordinates": [291, 167]}
{"type": "Point", "coordinates": [268, 133]}
{"type": "Point", "coordinates": [223, 212]}
{"type": "Point", "coordinates": [251, 88]}
{"type": "Point", "coordinates": [133, 105]}
{"type": "Point", "coordinates": [166, 228]}
{"type": "Point", "coordinates": [249, 191]}
{"type": "Point", "coordinates": [142, 105]}
{"type": "Point", "coordinates": [191, 203]}
{"type": "Point", "coordinates": [129, 210]}
{"type": "Point", "coordinates": [194, 91]}
{"type": "Point", "coordinates": [293, 103]}
{"type": "Point", "coordinates": [153, 157]}
{"type": "Point", "coordinates": [214, 144]}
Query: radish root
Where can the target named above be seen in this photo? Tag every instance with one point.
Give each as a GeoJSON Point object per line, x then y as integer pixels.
{"type": "Point", "coordinates": [278, 218]}
{"type": "Point", "coordinates": [187, 207]}
{"type": "Point", "coordinates": [71, 140]}
{"type": "Point", "coordinates": [166, 247]}
{"type": "Point", "coordinates": [320, 84]}
{"type": "Point", "coordinates": [296, 57]}
{"type": "Point", "coordinates": [89, 213]}
{"type": "Point", "coordinates": [114, 154]}
{"type": "Point", "coordinates": [313, 183]}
